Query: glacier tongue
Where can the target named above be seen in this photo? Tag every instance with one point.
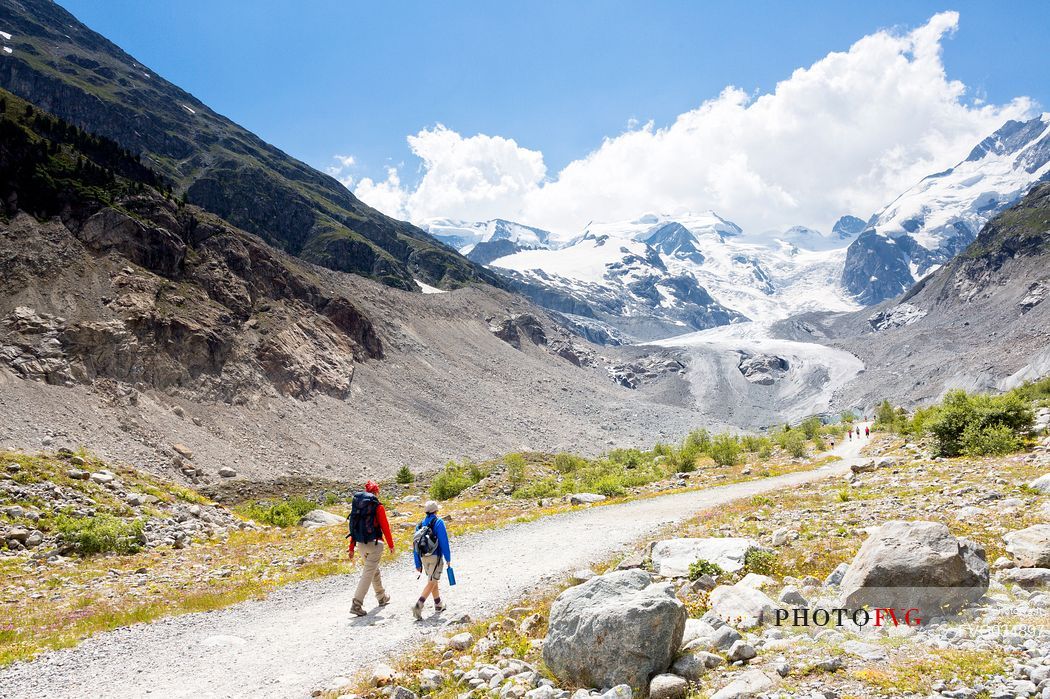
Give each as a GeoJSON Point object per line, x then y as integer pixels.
{"type": "Point", "coordinates": [722, 388]}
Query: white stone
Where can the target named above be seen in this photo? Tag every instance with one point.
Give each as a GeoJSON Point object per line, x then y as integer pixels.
{"type": "Point", "coordinates": [672, 557]}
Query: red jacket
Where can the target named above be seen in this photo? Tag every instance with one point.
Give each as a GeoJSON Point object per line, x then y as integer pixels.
{"type": "Point", "coordinates": [383, 525]}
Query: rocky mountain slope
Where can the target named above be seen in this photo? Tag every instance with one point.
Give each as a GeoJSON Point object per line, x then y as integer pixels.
{"type": "Point", "coordinates": [933, 221]}
{"type": "Point", "coordinates": [74, 73]}
{"type": "Point", "coordinates": [980, 322]}
{"type": "Point", "coordinates": [134, 323]}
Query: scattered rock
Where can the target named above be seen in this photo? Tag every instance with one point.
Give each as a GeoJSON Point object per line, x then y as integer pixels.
{"type": "Point", "coordinates": [1027, 577]}
{"type": "Point", "coordinates": [784, 536]}
{"type": "Point", "coordinates": [614, 629]}
{"type": "Point", "coordinates": [585, 498]}
{"type": "Point", "coordinates": [747, 684]}
{"type": "Point", "coordinates": [183, 451]}
{"type": "Point", "coordinates": [431, 680]}
{"type": "Point", "coordinates": [1041, 484]}
{"type": "Point", "coordinates": [668, 687]}
{"type": "Point", "coordinates": [382, 675]}
{"type": "Point", "coordinates": [1031, 546]}
{"type": "Point", "coordinates": [867, 651]}
{"type": "Point", "coordinates": [582, 575]}
{"type": "Point", "coordinates": [693, 665]}
{"type": "Point", "coordinates": [103, 477]}
{"type": "Point", "coordinates": [228, 472]}
{"type": "Point", "coordinates": [741, 606]}
{"type": "Point", "coordinates": [741, 650]}
{"type": "Point", "coordinates": [835, 577]}
{"type": "Point", "coordinates": [461, 641]}
{"type": "Point", "coordinates": [829, 664]}
{"type": "Point", "coordinates": [791, 595]}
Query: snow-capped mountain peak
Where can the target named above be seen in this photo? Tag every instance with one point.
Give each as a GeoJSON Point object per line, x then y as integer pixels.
{"type": "Point", "coordinates": [484, 241]}
{"type": "Point", "coordinates": [938, 217]}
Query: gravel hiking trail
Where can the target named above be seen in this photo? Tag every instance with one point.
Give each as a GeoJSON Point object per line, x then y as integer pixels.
{"type": "Point", "coordinates": [302, 636]}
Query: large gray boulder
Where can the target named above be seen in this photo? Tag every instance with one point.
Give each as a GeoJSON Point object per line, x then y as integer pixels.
{"type": "Point", "coordinates": [614, 629]}
{"type": "Point", "coordinates": [915, 565]}
{"type": "Point", "coordinates": [1031, 546]}
{"type": "Point", "coordinates": [672, 557]}
{"type": "Point", "coordinates": [1041, 484]}
{"type": "Point", "coordinates": [742, 606]}
{"type": "Point", "coordinates": [320, 518]}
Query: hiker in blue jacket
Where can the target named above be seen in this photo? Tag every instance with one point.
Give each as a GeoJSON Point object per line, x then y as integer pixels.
{"type": "Point", "coordinates": [431, 552]}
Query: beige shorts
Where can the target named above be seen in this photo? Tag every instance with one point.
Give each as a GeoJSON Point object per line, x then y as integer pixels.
{"type": "Point", "coordinates": [433, 566]}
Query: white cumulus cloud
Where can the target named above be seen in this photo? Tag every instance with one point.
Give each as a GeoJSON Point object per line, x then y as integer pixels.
{"type": "Point", "coordinates": [844, 135]}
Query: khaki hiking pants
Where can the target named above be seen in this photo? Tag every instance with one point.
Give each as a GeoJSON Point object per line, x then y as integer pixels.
{"type": "Point", "coordinates": [370, 577]}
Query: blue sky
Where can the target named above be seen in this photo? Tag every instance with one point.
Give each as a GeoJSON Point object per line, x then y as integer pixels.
{"type": "Point", "coordinates": [325, 78]}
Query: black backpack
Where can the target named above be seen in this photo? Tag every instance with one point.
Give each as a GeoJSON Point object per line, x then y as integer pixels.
{"type": "Point", "coordinates": [362, 519]}
{"type": "Point", "coordinates": [425, 541]}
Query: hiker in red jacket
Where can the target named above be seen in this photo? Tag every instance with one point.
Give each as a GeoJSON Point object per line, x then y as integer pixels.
{"type": "Point", "coordinates": [368, 528]}
{"type": "Point", "coordinates": [867, 431]}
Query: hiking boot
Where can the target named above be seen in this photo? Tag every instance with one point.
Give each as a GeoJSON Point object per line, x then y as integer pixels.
{"type": "Point", "coordinates": [440, 606]}
{"type": "Point", "coordinates": [357, 608]}
{"type": "Point", "coordinates": [417, 612]}
{"type": "Point", "coordinates": [384, 600]}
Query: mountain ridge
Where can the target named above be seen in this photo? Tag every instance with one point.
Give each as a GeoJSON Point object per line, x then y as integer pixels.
{"type": "Point", "coordinates": [80, 76]}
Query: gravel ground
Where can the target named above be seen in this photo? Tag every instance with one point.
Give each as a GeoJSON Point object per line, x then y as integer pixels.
{"type": "Point", "coordinates": [303, 635]}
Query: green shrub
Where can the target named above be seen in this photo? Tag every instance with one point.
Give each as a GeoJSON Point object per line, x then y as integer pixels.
{"type": "Point", "coordinates": [725, 450]}
{"type": "Point", "coordinates": [515, 464]}
{"type": "Point", "coordinates": [886, 417]}
{"type": "Point", "coordinates": [848, 417]}
{"type": "Point", "coordinates": [760, 562]}
{"type": "Point", "coordinates": [698, 439]}
{"type": "Point", "coordinates": [279, 513]}
{"type": "Point", "coordinates": [102, 533]}
{"type": "Point", "coordinates": [751, 443]}
{"type": "Point", "coordinates": [567, 463]}
{"type": "Point", "coordinates": [475, 471]}
{"type": "Point", "coordinates": [818, 442]}
{"type": "Point", "coordinates": [609, 486]}
{"type": "Point", "coordinates": [811, 427]}
{"type": "Point", "coordinates": [960, 412]}
{"type": "Point", "coordinates": [991, 440]}
{"type": "Point", "coordinates": [453, 480]}
{"type": "Point", "coordinates": [546, 488]}
{"type": "Point", "coordinates": [628, 458]}
{"type": "Point", "coordinates": [405, 475]}
{"type": "Point", "coordinates": [702, 567]}
{"type": "Point", "coordinates": [794, 443]}
{"type": "Point", "coordinates": [684, 460]}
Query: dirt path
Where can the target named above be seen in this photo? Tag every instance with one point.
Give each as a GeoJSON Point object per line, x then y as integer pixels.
{"type": "Point", "coordinates": [302, 635]}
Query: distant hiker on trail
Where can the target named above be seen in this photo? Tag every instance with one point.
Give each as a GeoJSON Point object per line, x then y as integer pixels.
{"type": "Point", "coordinates": [368, 528]}
{"type": "Point", "coordinates": [850, 433]}
{"type": "Point", "coordinates": [430, 549]}
{"type": "Point", "coordinates": [867, 431]}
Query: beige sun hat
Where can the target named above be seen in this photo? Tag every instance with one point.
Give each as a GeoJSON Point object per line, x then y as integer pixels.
{"type": "Point", "coordinates": [431, 507]}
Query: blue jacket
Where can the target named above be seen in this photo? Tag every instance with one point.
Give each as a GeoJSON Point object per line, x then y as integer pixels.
{"type": "Point", "coordinates": [438, 525]}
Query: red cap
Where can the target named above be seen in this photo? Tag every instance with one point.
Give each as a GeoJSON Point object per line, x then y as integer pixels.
{"type": "Point", "coordinates": [372, 487]}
